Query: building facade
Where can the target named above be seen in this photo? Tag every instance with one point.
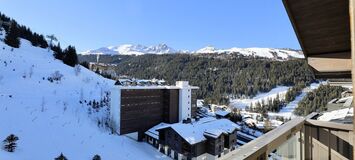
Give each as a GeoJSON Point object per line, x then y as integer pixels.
{"type": "Point", "coordinates": [138, 108]}
{"type": "Point", "coordinates": [205, 139]}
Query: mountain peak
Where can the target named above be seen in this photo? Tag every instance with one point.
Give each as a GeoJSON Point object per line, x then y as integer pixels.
{"type": "Point", "coordinates": [132, 49]}
{"type": "Point", "coordinates": [137, 49]}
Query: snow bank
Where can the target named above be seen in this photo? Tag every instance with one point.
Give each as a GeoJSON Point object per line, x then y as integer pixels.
{"type": "Point", "coordinates": [48, 117]}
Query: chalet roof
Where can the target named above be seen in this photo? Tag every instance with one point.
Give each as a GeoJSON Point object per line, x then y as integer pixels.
{"type": "Point", "coordinates": [195, 132]}
{"type": "Point", "coordinates": [152, 132]}
{"type": "Point", "coordinates": [340, 116]}
{"type": "Point", "coordinates": [323, 31]}
{"type": "Point", "coordinates": [222, 113]}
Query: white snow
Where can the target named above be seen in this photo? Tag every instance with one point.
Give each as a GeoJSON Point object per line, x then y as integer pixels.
{"type": "Point", "coordinates": [287, 111]}
{"type": "Point", "coordinates": [48, 118]}
{"type": "Point", "coordinates": [221, 113]}
{"type": "Point", "coordinates": [336, 114]}
{"type": "Point", "coordinates": [130, 49]}
{"type": "Point", "coordinates": [194, 132]}
{"type": "Point", "coordinates": [242, 103]}
{"type": "Point", "coordinates": [153, 131]}
{"type": "Point", "coordinates": [255, 52]}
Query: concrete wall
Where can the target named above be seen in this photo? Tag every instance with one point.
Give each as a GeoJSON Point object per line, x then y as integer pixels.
{"type": "Point", "coordinates": [115, 109]}
{"type": "Point", "coordinates": [184, 100]}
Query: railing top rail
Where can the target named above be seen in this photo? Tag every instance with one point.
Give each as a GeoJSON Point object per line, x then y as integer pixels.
{"type": "Point", "coordinates": [329, 125]}
{"type": "Point", "coordinates": [326, 124]}
{"type": "Point", "coordinates": [267, 142]}
{"type": "Point", "coordinates": [273, 139]}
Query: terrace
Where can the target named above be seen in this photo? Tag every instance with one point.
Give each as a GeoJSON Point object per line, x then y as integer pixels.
{"type": "Point", "coordinates": [326, 32]}
{"type": "Point", "coordinates": [301, 138]}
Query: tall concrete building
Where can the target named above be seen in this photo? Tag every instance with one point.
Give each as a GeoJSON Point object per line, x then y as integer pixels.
{"type": "Point", "coordinates": [138, 108]}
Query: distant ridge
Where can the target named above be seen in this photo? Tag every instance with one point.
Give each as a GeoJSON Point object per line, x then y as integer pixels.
{"type": "Point", "coordinates": [130, 49]}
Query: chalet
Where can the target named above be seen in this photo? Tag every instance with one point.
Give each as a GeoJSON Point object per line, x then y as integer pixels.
{"type": "Point", "coordinates": [222, 114]}
{"type": "Point", "coordinates": [208, 138]}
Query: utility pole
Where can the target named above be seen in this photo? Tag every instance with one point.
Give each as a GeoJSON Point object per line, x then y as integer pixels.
{"type": "Point", "coordinates": [51, 39]}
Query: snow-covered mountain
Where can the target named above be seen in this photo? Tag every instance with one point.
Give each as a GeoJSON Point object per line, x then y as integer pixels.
{"type": "Point", "coordinates": [129, 49]}
{"type": "Point", "coordinates": [48, 105]}
{"type": "Point", "coordinates": [271, 53]}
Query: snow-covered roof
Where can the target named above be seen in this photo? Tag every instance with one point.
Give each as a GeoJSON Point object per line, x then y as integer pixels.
{"type": "Point", "coordinates": [153, 131]}
{"type": "Point", "coordinates": [222, 113]}
{"type": "Point", "coordinates": [336, 114]}
{"type": "Point", "coordinates": [343, 100]}
{"type": "Point", "coordinates": [196, 131]}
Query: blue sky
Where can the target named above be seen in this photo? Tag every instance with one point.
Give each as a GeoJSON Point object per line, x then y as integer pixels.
{"type": "Point", "coordinates": [182, 24]}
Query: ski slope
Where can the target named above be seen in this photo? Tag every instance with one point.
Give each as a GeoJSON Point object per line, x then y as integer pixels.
{"type": "Point", "coordinates": [245, 102]}
{"type": "Point", "coordinates": [54, 117]}
{"type": "Point", "coordinates": [287, 111]}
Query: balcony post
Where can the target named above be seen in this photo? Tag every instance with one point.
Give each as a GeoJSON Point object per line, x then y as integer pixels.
{"type": "Point", "coordinates": [352, 32]}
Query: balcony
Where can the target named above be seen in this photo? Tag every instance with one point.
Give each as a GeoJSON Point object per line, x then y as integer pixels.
{"type": "Point", "coordinates": [301, 138]}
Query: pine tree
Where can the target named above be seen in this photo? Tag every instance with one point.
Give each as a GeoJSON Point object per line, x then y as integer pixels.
{"type": "Point", "coordinates": [11, 37]}
{"type": "Point", "coordinates": [58, 52]}
{"type": "Point", "coordinates": [10, 143]}
{"type": "Point", "coordinates": [96, 157]}
{"type": "Point", "coordinates": [61, 157]}
{"type": "Point", "coordinates": [71, 58]}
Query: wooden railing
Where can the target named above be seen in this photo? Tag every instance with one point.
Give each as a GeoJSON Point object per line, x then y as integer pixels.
{"type": "Point", "coordinates": [300, 138]}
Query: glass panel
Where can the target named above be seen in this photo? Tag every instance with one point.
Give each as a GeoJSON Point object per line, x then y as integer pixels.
{"type": "Point", "coordinates": [290, 150]}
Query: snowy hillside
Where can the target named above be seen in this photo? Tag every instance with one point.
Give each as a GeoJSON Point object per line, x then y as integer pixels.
{"type": "Point", "coordinates": [129, 49]}
{"type": "Point", "coordinates": [242, 103]}
{"type": "Point", "coordinates": [46, 104]}
{"type": "Point", "coordinates": [255, 52]}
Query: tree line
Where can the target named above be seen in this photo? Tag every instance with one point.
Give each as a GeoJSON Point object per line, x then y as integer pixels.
{"type": "Point", "coordinates": [219, 76]}
{"type": "Point", "coordinates": [15, 31]}
{"type": "Point", "coordinates": [316, 100]}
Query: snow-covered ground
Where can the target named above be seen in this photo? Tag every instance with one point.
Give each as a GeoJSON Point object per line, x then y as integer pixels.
{"type": "Point", "coordinates": [242, 103]}
{"type": "Point", "coordinates": [48, 117]}
{"type": "Point", "coordinates": [287, 111]}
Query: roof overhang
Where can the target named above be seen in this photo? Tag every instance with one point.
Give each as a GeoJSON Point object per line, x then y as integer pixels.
{"type": "Point", "coordinates": [323, 31]}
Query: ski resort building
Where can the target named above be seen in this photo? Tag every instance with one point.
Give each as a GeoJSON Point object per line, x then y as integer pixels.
{"type": "Point", "coordinates": [135, 109]}
{"type": "Point", "coordinates": [201, 139]}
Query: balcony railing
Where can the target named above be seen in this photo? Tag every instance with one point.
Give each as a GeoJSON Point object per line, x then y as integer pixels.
{"type": "Point", "coordinates": [301, 138]}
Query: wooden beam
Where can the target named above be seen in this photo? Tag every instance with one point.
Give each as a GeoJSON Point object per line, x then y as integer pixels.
{"type": "Point", "coordinates": [352, 35]}
{"type": "Point", "coordinates": [330, 64]}
{"type": "Point", "coordinates": [295, 28]}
